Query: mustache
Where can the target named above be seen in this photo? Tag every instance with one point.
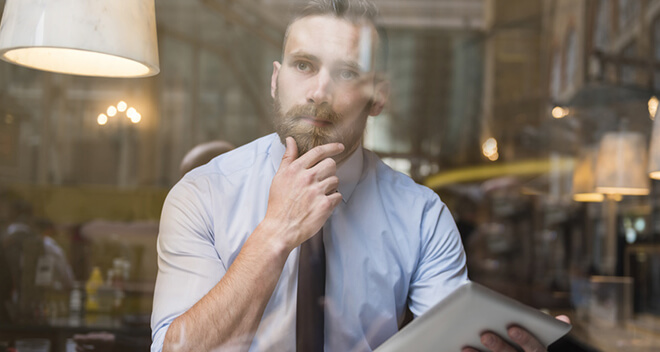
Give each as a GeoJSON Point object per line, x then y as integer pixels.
{"type": "Point", "coordinates": [322, 112]}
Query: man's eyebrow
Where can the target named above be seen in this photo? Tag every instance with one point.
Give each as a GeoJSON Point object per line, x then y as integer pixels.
{"type": "Point", "coordinates": [352, 64]}
{"type": "Point", "coordinates": [305, 56]}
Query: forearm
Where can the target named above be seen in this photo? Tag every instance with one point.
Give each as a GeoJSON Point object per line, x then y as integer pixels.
{"type": "Point", "coordinates": [230, 312]}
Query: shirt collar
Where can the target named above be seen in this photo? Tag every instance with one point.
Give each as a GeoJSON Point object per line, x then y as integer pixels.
{"type": "Point", "coordinates": [348, 172]}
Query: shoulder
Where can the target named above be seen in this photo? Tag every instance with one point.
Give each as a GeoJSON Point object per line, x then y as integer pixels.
{"type": "Point", "coordinates": [241, 159]}
{"type": "Point", "coordinates": [397, 183]}
{"type": "Point", "coordinates": [224, 174]}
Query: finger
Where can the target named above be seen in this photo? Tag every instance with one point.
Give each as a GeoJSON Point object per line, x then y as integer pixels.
{"type": "Point", "coordinates": [291, 152]}
{"type": "Point", "coordinates": [563, 318]}
{"type": "Point", "coordinates": [319, 153]}
{"type": "Point", "coordinates": [495, 343]}
{"type": "Point", "coordinates": [526, 340]}
{"type": "Point", "coordinates": [329, 185]}
{"type": "Point", "coordinates": [335, 198]}
{"type": "Point", "coordinates": [324, 169]}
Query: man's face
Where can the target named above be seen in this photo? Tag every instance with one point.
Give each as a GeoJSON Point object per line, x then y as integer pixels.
{"type": "Point", "coordinates": [324, 90]}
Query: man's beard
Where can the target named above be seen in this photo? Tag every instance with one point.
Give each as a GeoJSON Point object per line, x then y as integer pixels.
{"type": "Point", "coordinates": [307, 136]}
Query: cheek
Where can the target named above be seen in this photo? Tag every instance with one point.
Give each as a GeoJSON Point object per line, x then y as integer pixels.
{"type": "Point", "coordinates": [351, 105]}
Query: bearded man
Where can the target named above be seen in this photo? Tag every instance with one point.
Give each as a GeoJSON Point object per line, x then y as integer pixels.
{"type": "Point", "coordinates": [304, 240]}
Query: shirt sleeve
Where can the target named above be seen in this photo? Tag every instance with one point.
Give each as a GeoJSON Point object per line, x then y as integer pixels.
{"type": "Point", "coordinates": [442, 264]}
{"type": "Point", "coordinates": [188, 262]}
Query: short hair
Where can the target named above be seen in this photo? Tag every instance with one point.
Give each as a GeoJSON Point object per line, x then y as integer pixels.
{"type": "Point", "coordinates": [354, 11]}
{"type": "Point", "coordinates": [202, 154]}
{"type": "Point", "coordinates": [351, 10]}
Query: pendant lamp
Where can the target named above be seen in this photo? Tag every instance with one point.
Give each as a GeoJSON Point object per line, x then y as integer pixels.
{"type": "Point", "coordinates": [621, 164]}
{"type": "Point", "coordinates": [105, 38]}
{"type": "Point", "coordinates": [584, 177]}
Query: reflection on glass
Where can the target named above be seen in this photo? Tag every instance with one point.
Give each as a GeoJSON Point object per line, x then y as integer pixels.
{"type": "Point", "coordinates": [558, 112]}
{"type": "Point", "coordinates": [653, 107]}
{"type": "Point", "coordinates": [131, 113]}
{"type": "Point", "coordinates": [489, 149]}
{"type": "Point", "coordinates": [584, 177]}
{"type": "Point", "coordinates": [102, 119]}
{"type": "Point", "coordinates": [621, 163]}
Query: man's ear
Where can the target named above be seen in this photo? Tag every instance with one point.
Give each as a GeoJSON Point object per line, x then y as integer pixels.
{"type": "Point", "coordinates": [381, 94]}
{"type": "Point", "coordinates": [273, 78]}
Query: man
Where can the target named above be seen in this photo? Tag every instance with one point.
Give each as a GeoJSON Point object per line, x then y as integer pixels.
{"type": "Point", "coordinates": [234, 231]}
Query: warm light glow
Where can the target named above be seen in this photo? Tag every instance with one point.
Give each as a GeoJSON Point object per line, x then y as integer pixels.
{"type": "Point", "coordinates": [655, 175]}
{"type": "Point", "coordinates": [558, 112]}
{"type": "Point", "coordinates": [489, 149]}
{"type": "Point", "coordinates": [653, 106]}
{"type": "Point", "coordinates": [621, 167]}
{"type": "Point", "coordinates": [121, 106]}
{"type": "Point", "coordinates": [131, 113]}
{"type": "Point", "coordinates": [614, 197]}
{"type": "Point", "coordinates": [102, 119]}
{"type": "Point", "coordinates": [588, 197]}
{"type": "Point", "coordinates": [494, 157]}
{"type": "Point", "coordinates": [77, 62]}
{"type": "Point", "coordinates": [136, 118]}
{"type": "Point", "coordinates": [112, 111]}
{"type": "Point", "coordinates": [623, 190]}
{"type": "Point", "coordinates": [485, 172]}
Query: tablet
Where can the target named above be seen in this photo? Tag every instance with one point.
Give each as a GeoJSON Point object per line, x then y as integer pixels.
{"type": "Point", "coordinates": [460, 319]}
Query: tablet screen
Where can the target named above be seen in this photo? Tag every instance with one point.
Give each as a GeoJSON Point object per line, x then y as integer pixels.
{"type": "Point", "coordinates": [460, 319]}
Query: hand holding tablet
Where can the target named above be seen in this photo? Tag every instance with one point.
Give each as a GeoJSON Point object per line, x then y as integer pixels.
{"type": "Point", "coordinates": [471, 312]}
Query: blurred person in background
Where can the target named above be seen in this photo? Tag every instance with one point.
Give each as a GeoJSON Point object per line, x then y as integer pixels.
{"type": "Point", "coordinates": [32, 262]}
{"type": "Point", "coordinates": [103, 341]}
{"type": "Point", "coordinates": [202, 154]}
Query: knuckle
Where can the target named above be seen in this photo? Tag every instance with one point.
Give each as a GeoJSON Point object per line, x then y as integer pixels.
{"type": "Point", "coordinates": [326, 204]}
{"type": "Point", "coordinates": [332, 165]}
{"type": "Point", "coordinates": [308, 177]}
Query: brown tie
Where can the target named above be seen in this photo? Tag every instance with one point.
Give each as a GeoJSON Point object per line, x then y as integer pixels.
{"type": "Point", "coordinates": [311, 292]}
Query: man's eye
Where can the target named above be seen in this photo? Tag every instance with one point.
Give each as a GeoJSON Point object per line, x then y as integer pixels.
{"type": "Point", "coordinates": [302, 66]}
{"type": "Point", "coordinates": [347, 75]}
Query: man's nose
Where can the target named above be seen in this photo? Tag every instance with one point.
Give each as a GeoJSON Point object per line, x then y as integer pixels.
{"type": "Point", "coordinates": [320, 91]}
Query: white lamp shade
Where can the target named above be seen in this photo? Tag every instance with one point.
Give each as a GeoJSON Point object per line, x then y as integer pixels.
{"type": "Point", "coordinates": [109, 38]}
{"type": "Point", "coordinates": [584, 177]}
{"type": "Point", "coordinates": [654, 151]}
{"type": "Point", "coordinates": [621, 164]}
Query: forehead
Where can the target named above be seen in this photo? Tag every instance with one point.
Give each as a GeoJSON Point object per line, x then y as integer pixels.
{"type": "Point", "coordinates": [325, 36]}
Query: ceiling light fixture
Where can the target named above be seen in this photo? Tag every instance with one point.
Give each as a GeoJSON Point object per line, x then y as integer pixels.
{"type": "Point", "coordinates": [620, 168]}
{"type": "Point", "coordinates": [106, 38]}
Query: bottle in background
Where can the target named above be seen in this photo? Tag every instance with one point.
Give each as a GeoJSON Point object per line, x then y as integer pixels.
{"type": "Point", "coordinates": [92, 286]}
{"type": "Point", "coordinates": [76, 304]}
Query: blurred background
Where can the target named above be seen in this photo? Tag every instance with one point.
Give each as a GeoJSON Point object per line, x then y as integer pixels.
{"type": "Point", "coordinates": [533, 121]}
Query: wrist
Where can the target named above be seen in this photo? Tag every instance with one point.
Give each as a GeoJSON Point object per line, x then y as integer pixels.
{"type": "Point", "coordinates": [272, 235]}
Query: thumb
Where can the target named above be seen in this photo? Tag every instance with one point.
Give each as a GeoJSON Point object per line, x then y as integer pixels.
{"type": "Point", "coordinates": [291, 152]}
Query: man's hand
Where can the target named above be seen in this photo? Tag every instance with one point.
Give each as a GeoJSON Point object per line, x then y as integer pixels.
{"type": "Point", "coordinates": [518, 335]}
{"type": "Point", "coordinates": [304, 191]}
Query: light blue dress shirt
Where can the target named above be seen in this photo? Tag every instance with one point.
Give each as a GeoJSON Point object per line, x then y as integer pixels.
{"type": "Point", "coordinates": [390, 243]}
